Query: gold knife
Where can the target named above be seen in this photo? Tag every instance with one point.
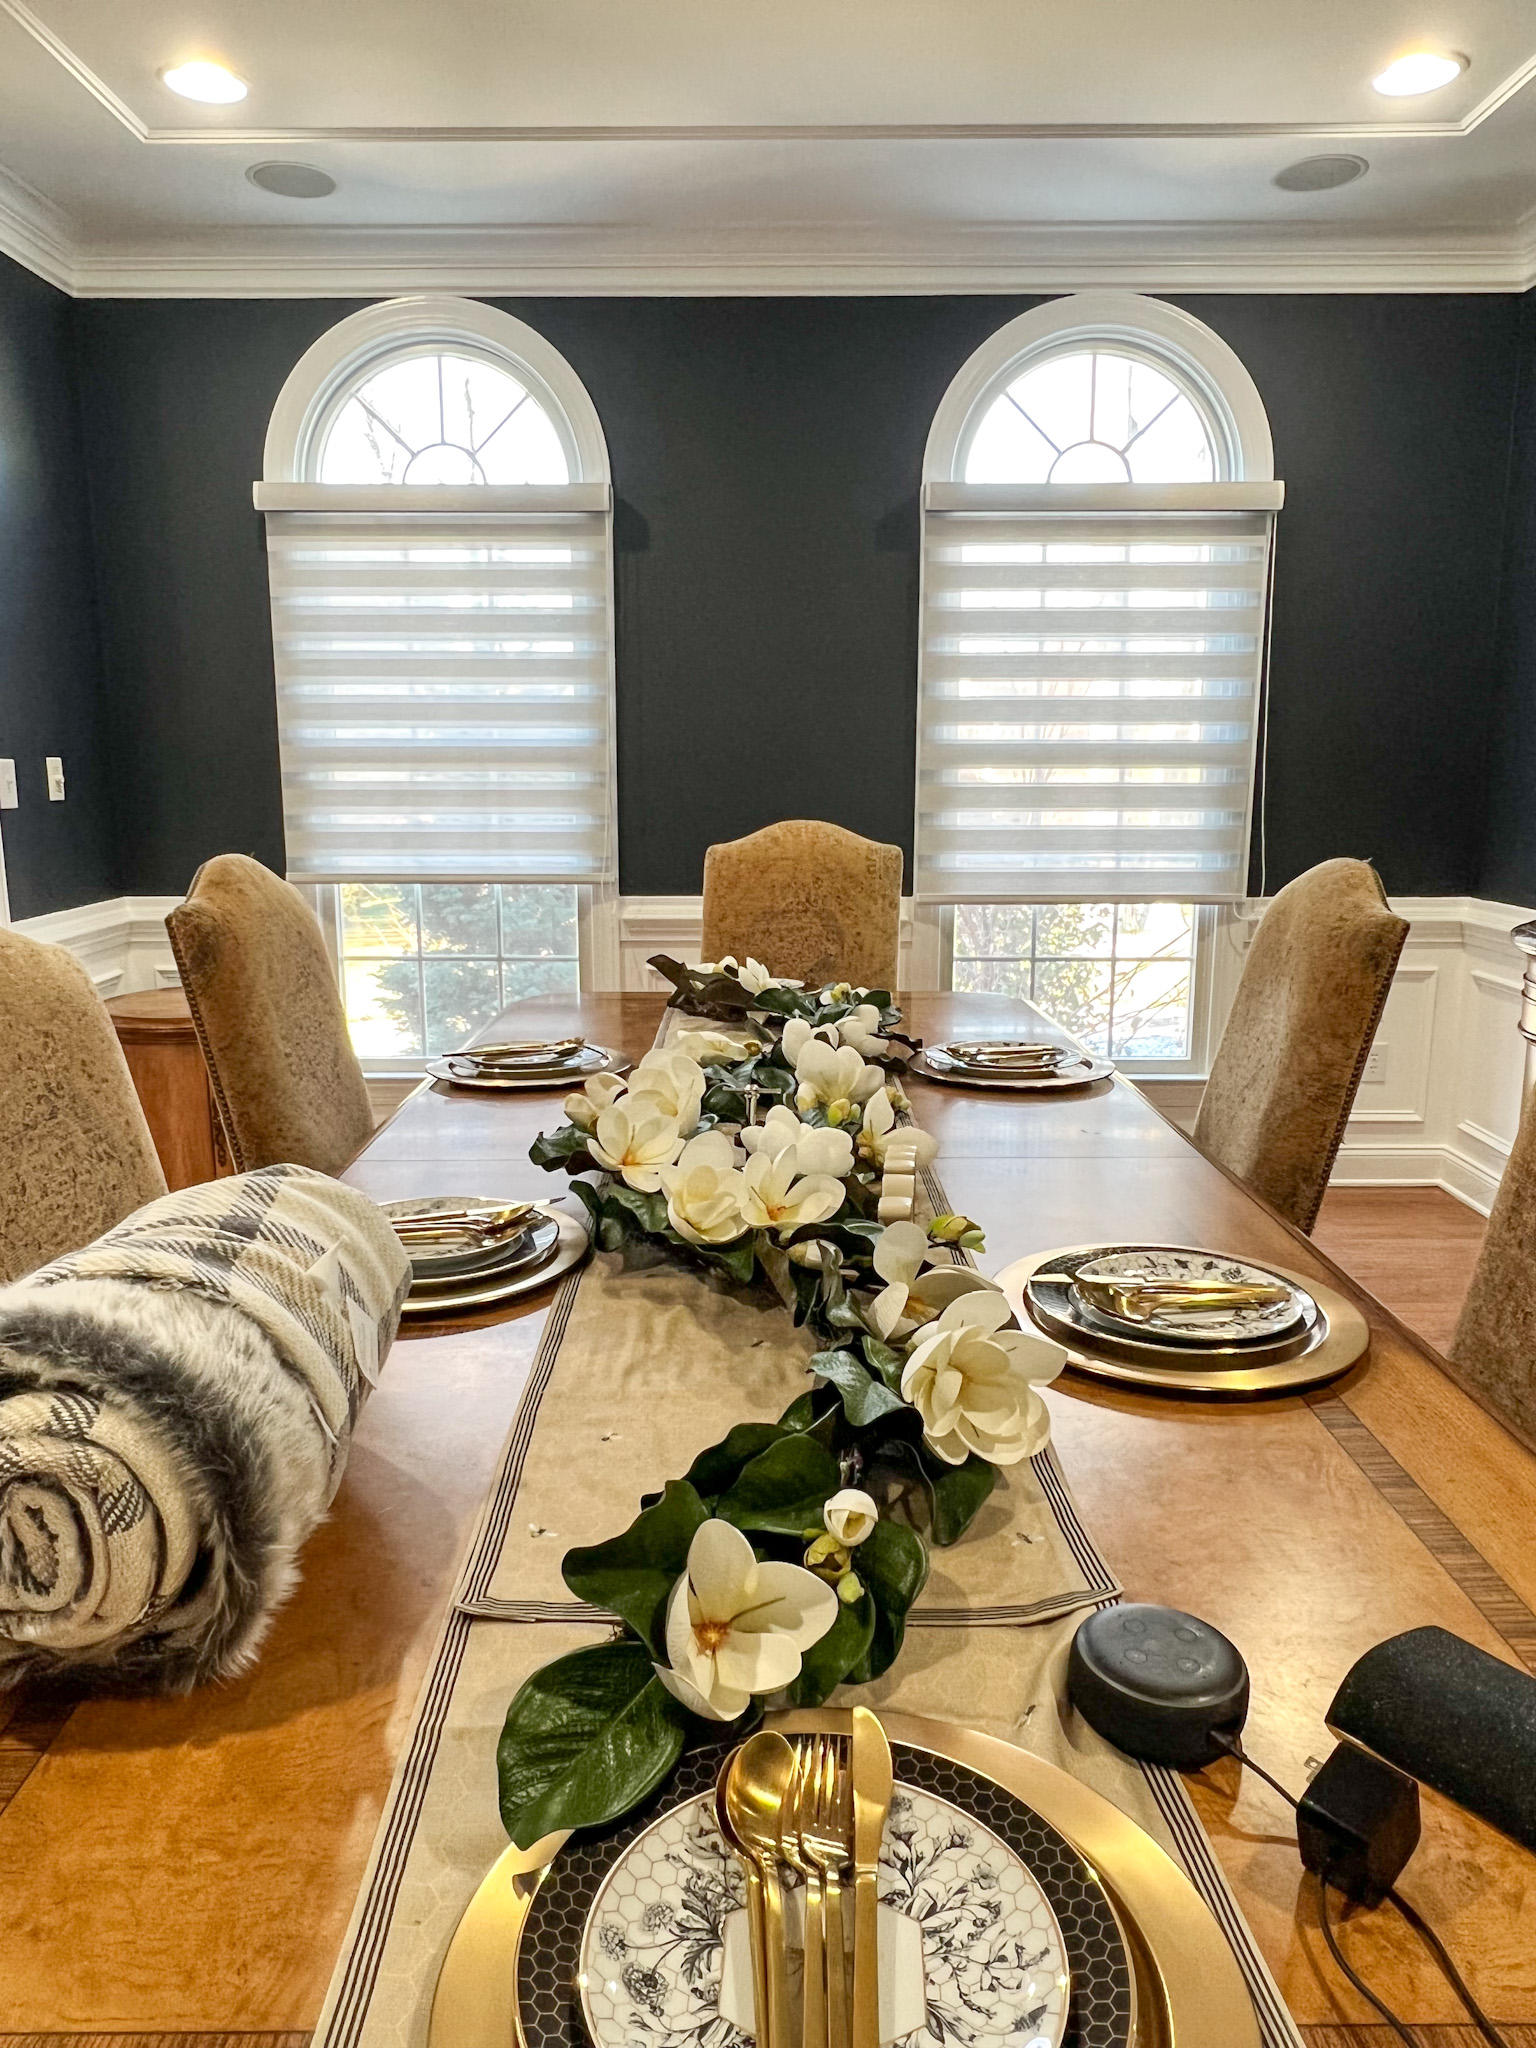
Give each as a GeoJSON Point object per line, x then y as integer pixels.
{"type": "Point", "coordinates": [872, 1780]}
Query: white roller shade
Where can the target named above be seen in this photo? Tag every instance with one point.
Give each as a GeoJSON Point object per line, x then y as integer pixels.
{"type": "Point", "coordinates": [444, 683]}
{"type": "Point", "coordinates": [1089, 688]}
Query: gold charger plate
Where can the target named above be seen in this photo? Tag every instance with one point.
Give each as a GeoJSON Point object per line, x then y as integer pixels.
{"type": "Point", "coordinates": [483, 1290]}
{"type": "Point", "coordinates": [1189, 1990]}
{"type": "Point", "coordinates": [1345, 1340]}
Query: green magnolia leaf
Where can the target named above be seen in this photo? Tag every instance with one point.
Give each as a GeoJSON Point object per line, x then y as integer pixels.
{"type": "Point", "coordinates": [865, 1399]}
{"type": "Point", "coordinates": [739, 1259]}
{"type": "Point", "coordinates": [556, 1149]}
{"type": "Point", "coordinates": [885, 1360]}
{"type": "Point", "coordinates": [648, 1210]}
{"type": "Point", "coordinates": [719, 1467]}
{"type": "Point", "coordinates": [841, 1650]}
{"type": "Point", "coordinates": [893, 1563]}
{"type": "Point", "coordinates": [586, 1738]}
{"type": "Point", "coordinates": [784, 1489]}
{"type": "Point", "coordinates": [959, 1492]}
{"type": "Point", "coordinates": [633, 1574]}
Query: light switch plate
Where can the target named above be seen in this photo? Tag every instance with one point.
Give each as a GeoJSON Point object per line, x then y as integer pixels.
{"type": "Point", "coordinates": [1376, 1064]}
{"type": "Point", "coordinates": [7, 786]}
{"type": "Point", "coordinates": [55, 768]}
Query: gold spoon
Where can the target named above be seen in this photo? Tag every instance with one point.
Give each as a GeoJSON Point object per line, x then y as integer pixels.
{"type": "Point", "coordinates": [749, 1800]}
{"type": "Point", "coordinates": [1144, 1300]}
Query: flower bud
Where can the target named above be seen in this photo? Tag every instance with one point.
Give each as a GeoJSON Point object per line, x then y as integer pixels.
{"type": "Point", "coordinates": [850, 1516]}
{"type": "Point", "coordinates": [951, 1229]}
{"type": "Point", "coordinates": [850, 1587]}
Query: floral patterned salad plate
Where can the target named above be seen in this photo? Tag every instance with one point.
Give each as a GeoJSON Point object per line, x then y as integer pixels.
{"type": "Point", "coordinates": [994, 1961]}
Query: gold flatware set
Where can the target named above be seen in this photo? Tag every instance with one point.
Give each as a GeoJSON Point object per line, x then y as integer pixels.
{"type": "Point", "coordinates": [464, 1229]}
{"type": "Point", "coordinates": [517, 1054]}
{"type": "Point", "coordinates": [1016, 1056]}
{"type": "Point", "coordinates": [1143, 1298]}
{"type": "Point", "coordinates": [817, 1806]}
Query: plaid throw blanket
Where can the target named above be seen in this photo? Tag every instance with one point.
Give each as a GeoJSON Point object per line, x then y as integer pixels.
{"type": "Point", "coordinates": [176, 1405]}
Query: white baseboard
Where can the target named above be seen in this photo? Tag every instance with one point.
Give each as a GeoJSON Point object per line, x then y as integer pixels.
{"type": "Point", "coordinates": [1439, 1109]}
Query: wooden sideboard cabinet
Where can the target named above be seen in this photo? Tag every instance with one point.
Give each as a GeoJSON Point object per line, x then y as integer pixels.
{"type": "Point", "coordinates": [160, 1045]}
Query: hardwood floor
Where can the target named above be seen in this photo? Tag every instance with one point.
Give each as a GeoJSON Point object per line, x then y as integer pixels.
{"type": "Point", "coordinates": [1413, 1248]}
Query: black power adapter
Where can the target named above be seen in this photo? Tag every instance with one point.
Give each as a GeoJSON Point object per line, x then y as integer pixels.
{"type": "Point", "coordinates": [1357, 1824]}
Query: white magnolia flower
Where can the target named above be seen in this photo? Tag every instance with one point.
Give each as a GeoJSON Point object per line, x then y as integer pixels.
{"type": "Point", "coordinates": [798, 1032]}
{"type": "Point", "coordinates": [880, 1126]}
{"type": "Point", "coordinates": [635, 1138]}
{"type": "Point", "coordinates": [674, 1083]}
{"type": "Point", "coordinates": [901, 1250]}
{"type": "Point", "coordinates": [754, 976]}
{"type": "Point", "coordinates": [818, 1148]}
{"type": "Point", "coordinates": [703, 1191]}
{"type": "Point", "coordinates": [585, 1109]}
{"type": "Point", "coordinates": [974, 1383]}
{"type": "Point", "coordinates": [850, 1516]}
{"type": "Point", "coordinates": [861, 1029]}
{"type": "Point", "coordinates": [776, 1197]}
{"type": "Point", "coordinates": [736, 1627]}
{"type": "Point", "coordinates": [834, 1081]}
{"type": "Point", "coordinates": [715, 1048]}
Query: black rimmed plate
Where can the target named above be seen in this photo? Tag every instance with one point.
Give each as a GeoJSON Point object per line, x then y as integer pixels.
{"type": "Point", "coordinates": [1056, 1307]}
{"type": "Point", "coordinates": [1101, 2002]}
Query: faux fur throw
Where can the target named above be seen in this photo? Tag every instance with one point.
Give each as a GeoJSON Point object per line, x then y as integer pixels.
{"type": "Point", "coordinates": [176, 1405]}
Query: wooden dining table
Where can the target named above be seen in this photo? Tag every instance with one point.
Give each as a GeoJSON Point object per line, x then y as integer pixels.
{"type": "Point", "coordinates": [180, 1872]}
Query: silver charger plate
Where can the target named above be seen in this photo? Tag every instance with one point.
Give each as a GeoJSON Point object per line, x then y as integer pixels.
{"type": "Point", "coordinates": [995, 1960]}
{"type": "Point", "coordinates": [1083, 1068]}
{"type": "Point", "coordinates": [597, 1059]}
{"type": "Point", "coordinates": [531, 1247]}
{"type": "Point", "coordinates": [566, 1248]}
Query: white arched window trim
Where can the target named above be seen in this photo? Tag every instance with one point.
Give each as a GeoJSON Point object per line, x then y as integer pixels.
{"type": "Point", "coordinates": [1001, 524]}
{"type": "Point", "coordinates": [506, 749]}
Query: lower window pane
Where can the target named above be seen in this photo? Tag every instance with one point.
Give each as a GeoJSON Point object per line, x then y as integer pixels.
{"type": "Point", "coordinates": [462, 998]}
{"type": "Point", "coordinates": [1152, 1011]}
{"type": "Point", "coordinates": [523, 978]}
{"type": "Point", "coordinates": [383, 1000]}
{"type": "Point", "coordinates": [1076, 994]}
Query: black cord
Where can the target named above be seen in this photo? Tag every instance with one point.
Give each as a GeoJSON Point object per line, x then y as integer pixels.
{"type": "Point", "coordinates": [1398, 2026]}
{"type": "Point", "coordinates": [1409, 1911]}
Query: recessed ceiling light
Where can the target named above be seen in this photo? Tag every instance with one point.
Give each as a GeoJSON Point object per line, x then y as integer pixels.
{"type": "Point", "coordinates": [1419, 71]}
{"type": "Point", "coordinates": [293, 181]}
{"type": "Point", "coordinates": [1321, 173]}
{"type": "Point", "coordinates": [214, 84]}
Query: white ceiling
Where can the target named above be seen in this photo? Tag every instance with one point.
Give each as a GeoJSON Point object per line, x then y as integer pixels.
{"type": "Point", "coordinates": [673, 145]}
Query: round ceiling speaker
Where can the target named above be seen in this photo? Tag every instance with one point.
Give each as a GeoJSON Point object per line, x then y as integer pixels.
{"type": "Point", "coordinates": [293, 181]}
{"type": "Point", "coordinates": [1321, 173]}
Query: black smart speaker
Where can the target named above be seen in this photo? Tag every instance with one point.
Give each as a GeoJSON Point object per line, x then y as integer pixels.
{"type": "Point", "coordinates": [1158, 1684]}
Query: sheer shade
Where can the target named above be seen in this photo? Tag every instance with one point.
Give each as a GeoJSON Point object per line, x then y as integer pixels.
{"type": "Point", "coordinates": [1090, 680]}
{"type": "Point", "coordinates": [444, 682]}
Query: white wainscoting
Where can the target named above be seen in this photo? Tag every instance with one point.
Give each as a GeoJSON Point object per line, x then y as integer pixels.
{"type": "Point", "coordinates": [1438, 1108]}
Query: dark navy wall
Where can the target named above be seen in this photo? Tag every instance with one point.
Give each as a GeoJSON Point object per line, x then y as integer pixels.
{"type": "Point", "coordinates": [1508, 870]}
{"type": "Point", "coordinates": [56, 855]}
{"type": "Point", "coordinates": [766, 457]}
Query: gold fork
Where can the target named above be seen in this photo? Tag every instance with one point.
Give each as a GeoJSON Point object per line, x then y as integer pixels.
{"type": "Point", "coordinates": [826, 1837]}
{"type": "Point", "coordinates": [794, 1821]}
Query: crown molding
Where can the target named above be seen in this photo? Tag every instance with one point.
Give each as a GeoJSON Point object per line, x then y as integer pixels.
{"type": "Point", "coordinates": [975, 257]}
{"type": "Point", "coordinates": [33, 234]}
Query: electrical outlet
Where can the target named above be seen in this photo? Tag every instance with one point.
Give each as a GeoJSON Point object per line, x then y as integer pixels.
{"type": "Point", "coordinates": [1376, 1064]}
{"type": "Point", "coordinates": [55, 768]}
{"type": "Point", "coordinates": [7, 786]}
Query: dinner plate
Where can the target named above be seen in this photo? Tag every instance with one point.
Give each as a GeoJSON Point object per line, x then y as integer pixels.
{"type": "Point", "coordinates": [532, 1247]}
{"type": "Point", "coordinates": [570, 1245]}
{"type": "Point", "coordinates": [995, 1965]}
{"type": "Point", "coordinates": [1055, 1306]}
{"type": "Point", "coordinates": [437, 1261]}
{"type": "Point", "coordinates": [1081, 1069]}
{"type": "Point", "coordinates": [599, 1059]}
{"type": "Point", "coordinates": [1241, 1325]}
{"type": "Point", "coordinates": [688, 1902]}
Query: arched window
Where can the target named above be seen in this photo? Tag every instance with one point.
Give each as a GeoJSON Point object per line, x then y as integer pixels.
{"type": "Point", "coordinates": [439, 550]}
{"type": "Point", "coordinates": [1098, 511]}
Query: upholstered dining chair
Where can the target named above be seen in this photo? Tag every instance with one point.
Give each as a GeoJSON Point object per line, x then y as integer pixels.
{"type": "Point", "coordinates": [75, 1152]}
{"type": "Point", "coordinates": [1494, 1348]}
{"type": "Point", "coordinates": [1290, 1060]}
{"type": "Point", "coordinates": [808, 900]}
{"type": "Point", "coordinates": [268, 1015]}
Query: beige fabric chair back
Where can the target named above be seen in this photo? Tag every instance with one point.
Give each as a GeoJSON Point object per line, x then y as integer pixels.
{"type": "Point", "coordinates": [263, 994]}
{"type": "Point", "coordinates": [810, 901]}
{"type": "Point", "coordinates": [1494, 1349]}
{"type": "Point", "coordinates": [75, 1152]}
{"type": "Point", "coordinates": [1291, 1057]}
